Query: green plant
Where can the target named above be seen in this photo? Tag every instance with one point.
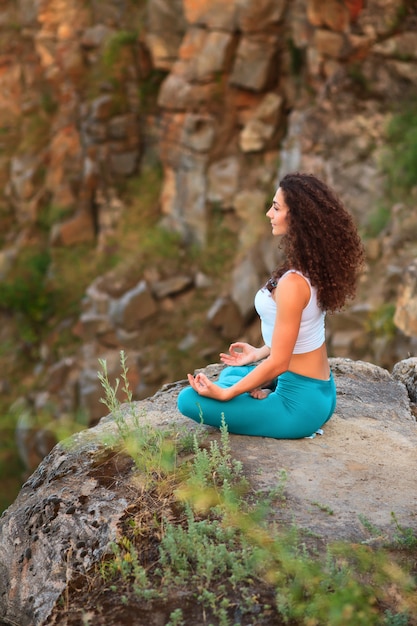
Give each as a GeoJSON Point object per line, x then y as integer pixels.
{"type": "Point", "coordinates": [26, 293]}
{"type": "Point", "coordinates": [404, 537]}
{"type": "Point", "coordinates": [377, 220]}
{"type": "Point", "coordinates": [324, 507]}
{"type": "Point", "coordinates": [381, 321]}
{"type": "Point", "coordinates": [125, 563]}
{"type": "Point", "coordinates": [51, 214]}
{"type": "Point", "coordinates": [72, 270]}
{"type": "Point", "coordinates": [220, 247]}
{"type": "Point", "coordinates": [400, 15]}
{"type": "Point", "coordinates": [34, 133]}
{"type": "Point", "coordinates": [358, 78]}
{"type": "Point", "coordinates": [369, 527]}
{"type": "Point", "coordinates": [153, 450]}
{"type": "Point", "coordinates": [149, 89]}
{"type": "Point", "coordinates": [400, 163]}
{"type": "Point", "coordinates": [176, 618]}
{"type": "Point", "coordinates": [116, 44]}
{"type": "Point", "coordinates": [11, 466]}
{"type": "Point", "coordinates": [396, 619]}
{"type": "Point", "coordinates": [48, 102]}
{"type": "Point", "coordinates": [145, 241]}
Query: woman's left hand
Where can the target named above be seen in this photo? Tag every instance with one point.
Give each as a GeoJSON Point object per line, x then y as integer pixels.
{"type": "Point", "coordinates": [205, 387]}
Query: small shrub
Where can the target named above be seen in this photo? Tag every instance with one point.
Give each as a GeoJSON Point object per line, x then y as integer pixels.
{"type": "Point", "coordinates": [220, 247]}
{"type": "Point", "coordinates": [153, 450]}
{"type": "Point", "coordinates": [34, 133]}
{"type": "Point", "coordinates": [149, 89]}
{"type": "Point", "coordinates": [396, 619]}
{"type": "Point", "coordinates": [380, 323]}
{"type": "Point", "coordinates": [404, 536]}
{"type": "Point", "coordinates": [115, 45]}
{"type": "Point", "coordinates": [358, 78]}
{"type": "Point", "coordinates": [377, 220]}
{"type": "Point", "coordinates": [400, 163]}
{"type": "Point", "coordinates": [27, 294]}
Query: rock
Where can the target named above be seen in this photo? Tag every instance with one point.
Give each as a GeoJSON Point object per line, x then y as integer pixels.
{"type": "Point", "coordinates": [260, 15]}
{"type": "Point", "coordinates": [69, 515]}
{"type": "Point", "coordinates": [255, 62]}
{"type": "Point", "coordinates": [101, 107]}
{"type": "Point", "coordinates": [404, 70]}
{"type": "Point", "coordinates": [245, 284]}
{"type": "Point", "coordinates": [33, 441]}
{"type": "Point", "coordinates": [333, 13]}
{"type": "Point", "coordinates": [166, 26]}
{"type": "Point", "coordinates": [406, 308]}
{"type": "Point", "coordinates": [406, 372]}
{"type": "Point", "coordinates": [78, 229]}
{"type": "Point", "coordinates": [330, 44]}
{"type": "Point", "coordinates": [7, 258]}
{"type": "Point", "coordinates": [176, 93]}
{"type": "Point", "coordinates": [58, 373]}
{"type": "Point", "coordinates": [170, 286]}
{"type": "Point", "coordinates": [378, 18]}
{"type": "Point", "coordinates": [96, 299]}
{"type": "Point", "coordinates": [135, 306]}
{"type": "Point", "coordinates": [250, 206]}
{"type": "Point", "coordinates": [95, 36]}
{"type": "Point", "coordinates": [198, 132]}
{"type": "Point", "coordinates": [213, 14]}
{"type": "Point", "coordinates": [401, 45]}
{"type": "Point", "coordinates": [65, 154]}
{"type": "Point", "coordinates": [214, 56]}
{"type": "Point", "coordinates": [71, 508]}
{"type": "Point", "coordinates": [224, 316]}
{"type": "Point", "coordinates": [92, 326]}
{"type": "Point", "coordinates": [185, 201]}
{"type": "Point", "coordinates": [23, 171]}
{"type": "Point", "coordinates": [124, 127]}
{"type": "Point", "coordinates": [263, 124]}
{"type": "Point", "coordinates": [346, 342]}
{"type": "Point", "coordinates": [223, 181]}
{"type": "Point", "coordinates": [124, 163]}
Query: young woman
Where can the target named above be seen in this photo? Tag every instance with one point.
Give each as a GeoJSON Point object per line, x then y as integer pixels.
{"type": "Point", "coordinates": [290, 392]}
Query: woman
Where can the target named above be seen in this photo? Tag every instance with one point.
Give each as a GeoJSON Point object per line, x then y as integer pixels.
{"type": "Point", "coordinates": [290, 393]}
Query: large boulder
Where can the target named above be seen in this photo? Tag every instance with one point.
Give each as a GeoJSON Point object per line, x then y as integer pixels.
{"type": "Point", "coordinates": [71, 508]}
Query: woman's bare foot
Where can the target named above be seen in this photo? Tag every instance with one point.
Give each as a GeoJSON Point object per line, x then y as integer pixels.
{"type": "Point", "coordinates": [260, 394]}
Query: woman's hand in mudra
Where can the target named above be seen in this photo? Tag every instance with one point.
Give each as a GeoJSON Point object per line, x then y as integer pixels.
{"type": "Point", "coordinates": [240, 353]}
{"type": "Point", "coordinates": [205, 387]}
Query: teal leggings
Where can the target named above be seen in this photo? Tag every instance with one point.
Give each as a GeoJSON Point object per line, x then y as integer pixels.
{"type": "Point", "coordinates": [296, 408]}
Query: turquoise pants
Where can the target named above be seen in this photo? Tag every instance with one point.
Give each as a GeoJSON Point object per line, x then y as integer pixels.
{"type": "Point", "coordinates": [296, 408]}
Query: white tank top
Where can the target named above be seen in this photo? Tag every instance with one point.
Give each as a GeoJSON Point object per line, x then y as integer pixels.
{"type": "Point", "coordinates": [312, 331]}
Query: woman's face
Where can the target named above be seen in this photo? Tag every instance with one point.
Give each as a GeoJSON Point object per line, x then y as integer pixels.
{"type": "Point", "coordinates": [278, 214]}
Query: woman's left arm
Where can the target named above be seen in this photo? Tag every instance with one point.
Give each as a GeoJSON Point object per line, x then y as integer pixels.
{"type": "Point", "coordinates": [291, 295]}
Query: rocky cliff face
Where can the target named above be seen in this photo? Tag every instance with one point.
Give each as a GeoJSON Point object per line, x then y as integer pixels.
{"type": "Point", "coordinates": [245, 91]}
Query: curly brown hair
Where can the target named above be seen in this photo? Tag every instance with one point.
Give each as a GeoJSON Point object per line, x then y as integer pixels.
{"type": "Point", "coordinates": [322, 241]}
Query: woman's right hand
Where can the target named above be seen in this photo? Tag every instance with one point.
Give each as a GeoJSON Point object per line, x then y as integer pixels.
{"type": "Point", "coordinates": [240, 353]}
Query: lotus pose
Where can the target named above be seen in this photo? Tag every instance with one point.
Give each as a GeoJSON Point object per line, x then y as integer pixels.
{"type": "Point", "coordinates": [285, 388]}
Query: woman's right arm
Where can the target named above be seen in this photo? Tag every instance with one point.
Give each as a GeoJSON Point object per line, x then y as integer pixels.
{"type": "Point", "coordinates": [241, 353]}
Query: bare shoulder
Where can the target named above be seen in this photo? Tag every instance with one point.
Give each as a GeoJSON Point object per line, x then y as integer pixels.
{"type": "Point", "coordinates": [293, 287]}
